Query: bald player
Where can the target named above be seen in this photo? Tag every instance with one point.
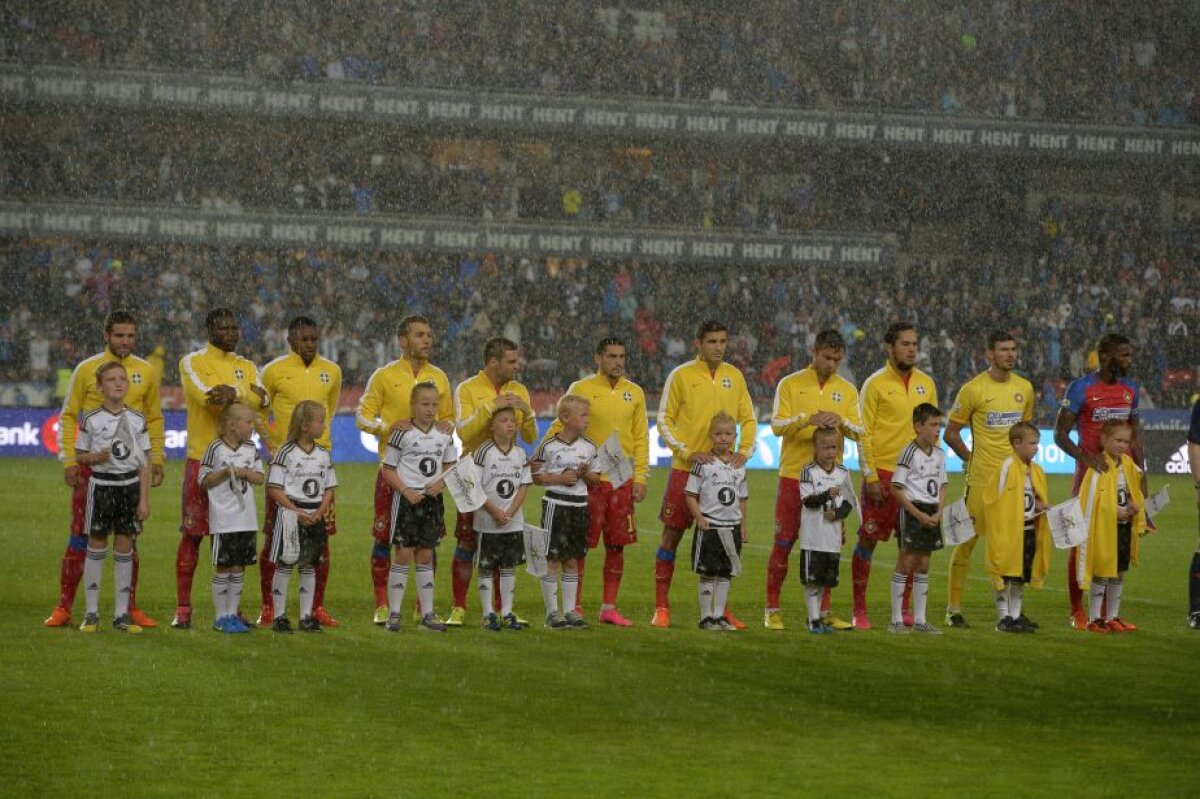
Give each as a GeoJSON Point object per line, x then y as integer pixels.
{"type": "Point", "coordinates": [83, 395]}
{"type": "Point", "coordinates": [213, 377]}
{"type": "Point", "coordinates": [989, 404]}
{"type": "Point", "coordinates": [290, 379]}
{"type": "Point", "coordinates": [385, 407]}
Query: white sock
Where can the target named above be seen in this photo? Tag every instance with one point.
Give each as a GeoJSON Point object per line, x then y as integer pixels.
{"type": "Point", "coordinates": [550, 593]}
{"type": "Point", "coordinates": [220, 590]}
{"type": "Point", "coordinates": [920, 597]}
{"type": "Point", "coordinates": [570, 589]}
{"type": "Point", "coordinates": [508, 589]}
{"type": "Point", "coordinates": [425, 587]}
{"type": "Point", "coordinates": [707, 593]}
{"type": "Point", "coordinates": [812, 600]}
{"type": "Point", "coordinates": [1095, 599]}
{"type": "Point", "coordinates": [93, 572]}
{"type": "Point", "coordinates": [234, 600]}
{"type": "Point", "coordinates": [123, 580]}
{"type": "Point", "coordinates": [1001, 598]}
{"type": "Point", "coordinates": [308, 590]}
{"type": "Point", "coordinates": [484, 584]}
{"type": "Point", "coordinates": [720, 597]}
{"type": "Point", "coordinates": [898, 581]}
{"type": "Point", "coordinates": [1113, 594]}
{"type": "Point", "coordinates": [279, 590]}
{"type": "Point", "coordinates": [1016, 596]}
{"type": "Point", "coordinates": [397, 585]}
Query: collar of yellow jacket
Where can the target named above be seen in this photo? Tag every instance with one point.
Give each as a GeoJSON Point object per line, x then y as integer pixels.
{"type": "Point", "coordinates": [213, 351]}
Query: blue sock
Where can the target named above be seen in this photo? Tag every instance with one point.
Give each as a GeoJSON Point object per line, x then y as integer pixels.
{"type": "Point", "coordinates": [862, 552]}
{"type": "Point", "coordinates": [665, 555]}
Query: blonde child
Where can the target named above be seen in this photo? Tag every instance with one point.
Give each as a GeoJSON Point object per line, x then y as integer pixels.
{"type": "Point", "coordinates": [113, 442]}
{"type": "Point", "coordinates": [228, 470]}
{"type": "Point", "coordinates": [716, 496]}
{"type": "Point", "coordinates": [1018, 539]}
{"type": "Point", "coordinates": [500, 523]}
{"type": "Point", "coordinates": [414, 463]}
{"type": "Point", "coordinates": [566, 466]}
{"type": "Point", "coordinates": [1112, 503]}
{"type": "Point", "coordinates": [301, 484]}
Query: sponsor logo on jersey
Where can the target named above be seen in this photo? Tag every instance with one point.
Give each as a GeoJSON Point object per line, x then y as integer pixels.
{"type": "Point", "coordinates": [1002, 419]}
{"type": "Point", "coordinates": [1109, 414]}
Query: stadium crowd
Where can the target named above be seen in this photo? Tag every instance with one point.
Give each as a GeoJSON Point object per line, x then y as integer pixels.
{"type": "Point", "coordinates": [318, 167]}
{"type": "Point", "coordinates": [1100, 268]}
{"type": "Point", "coordinates": [1124, 63]}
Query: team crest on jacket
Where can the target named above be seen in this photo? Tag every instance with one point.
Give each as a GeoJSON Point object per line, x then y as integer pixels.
{"type": "Point", "coordinates": [1128, 397]}
{"type": "Point", "coordinates": [921, 390]}
{"type": "Point", "coordinates": [1018, 397]}
{"type": "Point", "coordinates": [136, 377]}
{"type": "Point", "coordinates": [837, 396]}
{"type": "Point", "coordinates": [239, 374]}
{"type": "Point", "coordinates": [627, 396]}
{"type": "Point", "coordinates": [324, 377]}
{"type": "Point", "coordinates": [726, 382]}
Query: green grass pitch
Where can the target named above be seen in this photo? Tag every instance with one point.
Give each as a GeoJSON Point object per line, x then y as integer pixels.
{"type": "Point", "coordinates": [636, 712]}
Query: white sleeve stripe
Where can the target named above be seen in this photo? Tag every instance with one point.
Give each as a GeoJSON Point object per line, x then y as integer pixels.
{"type": "Point", "coordinates": [672, 441]}
{"type": "Point", "coordinates": [191, 373]}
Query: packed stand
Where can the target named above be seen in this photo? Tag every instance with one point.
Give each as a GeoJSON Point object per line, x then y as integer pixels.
{"type": "Point", "coordinates": [1123, 63]}
{"type": "Point", "coordinates": [557, 308]}
{"type": "Point", "coordinates": [166, 160]}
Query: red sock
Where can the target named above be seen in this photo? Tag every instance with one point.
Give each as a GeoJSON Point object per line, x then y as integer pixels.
{"type": "Point", "coordinates": [664, 570]}
{"type": "Point", "coordinates": [460, 579]}
{"type": "Point", "coordinates": [1074, 593]}
{"type": "Point", "coordinates": [777, 570]}
{"type": "Point", "coordinates": [906, 604]}
{"type": "Point", "coordinates": [322, 578]}
{"type": "Point", "coordinates": [860, 571]}
{"type": "Point", "coordinates": [825, 600]}
{"type": "Point", "coordinates": [185, 568]}
{"type": "Point", "coordinates": [380, 565]}
{"type": "Point", "coordinates": [266, 571]}
{"type": "Point", "coordinates": [614, 567]}
{"type": "Point", "coordinates": [70, 574]}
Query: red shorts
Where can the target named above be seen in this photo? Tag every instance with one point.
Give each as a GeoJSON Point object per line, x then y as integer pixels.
{"type": "Point", "coordinates": [195, 501]}
{"type": "Point", "coordinates": [79, 498]}
{"type": "Point", "coordinates": [382, 529]}
{"type": "Point", "coordinates": [787, 510]}
{"type": "Point", "coordinates": [464, 530]}
{"type": "Point", "coordinates": [610, 515]}
{"type": "Point", "coordinates": [879, 519]}
{"type": "Point", "coordinates": [674, 512]}
{"type": "Point", "coordinates": [271, 509]}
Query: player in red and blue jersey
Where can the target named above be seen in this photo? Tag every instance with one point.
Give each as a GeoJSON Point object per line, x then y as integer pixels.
{"type": "Point", "coordinates": [1102, 396]}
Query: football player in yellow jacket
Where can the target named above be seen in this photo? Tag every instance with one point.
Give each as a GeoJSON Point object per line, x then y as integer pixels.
{"type": "Point", "coordinates": [492, 388]}
{"type": "Point", "coordinates": [213, 377]}
{"type": "Point", "coordinates": [617, 405]}
{"type": "Point", "coordinates": [888, 398]}
{"type": "Point", "coordinates": [384, 408]}
{"type": "Point", "coordinates": [290, 379]}
{"type": "Point", "coordinates": [83, 395]}
{"type": "Point", "coordinates": [693, 394]}
{"type": "Point", "coordinates": [815, 397]}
